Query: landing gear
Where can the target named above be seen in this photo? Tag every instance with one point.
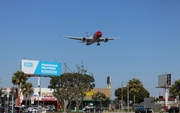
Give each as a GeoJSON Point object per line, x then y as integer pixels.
{"type": "Point", "coordinates": [98, 44]}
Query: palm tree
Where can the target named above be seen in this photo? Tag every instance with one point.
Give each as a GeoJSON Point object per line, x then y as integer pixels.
{"type": "Point", "coordinates": [135, 86]}
{"type": "Point", "coordinates": [18, 79]}
{"type": "Point", "coordinates": [27, 89]}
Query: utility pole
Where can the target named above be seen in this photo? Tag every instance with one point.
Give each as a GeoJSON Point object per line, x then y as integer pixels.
{"type": "Point", "coordinates": [122, 95]}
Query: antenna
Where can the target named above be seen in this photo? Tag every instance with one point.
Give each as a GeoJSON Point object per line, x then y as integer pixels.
{"type": "Point", "coordinates": [0, 81]}
{"type": "Point", "coordinates": [87, 35]}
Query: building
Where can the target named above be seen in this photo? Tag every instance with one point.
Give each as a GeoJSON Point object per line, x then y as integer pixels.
{"type": "Point", "coordinates": [45, 97]}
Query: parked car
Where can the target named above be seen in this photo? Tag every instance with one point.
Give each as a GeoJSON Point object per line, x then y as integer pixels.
{"type": "Point", "coordinates": [46, 107]}
{"type": "Point", "coordinates": [20, 109]}
{"type": "Point", "coordinates": [92, 108]}
{"type": "Point", "coordinates": [51, 108]}
{"type": "Point", "coordinates": [2, 110]}
{"type": "Point", "coordinates": [10, 110]}
{"type": "Point", "coordinates": [173, 110]}
{"type": "Point", "coordinates": [144, 110]}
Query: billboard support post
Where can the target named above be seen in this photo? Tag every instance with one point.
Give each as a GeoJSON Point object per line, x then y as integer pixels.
{"type": "Point", "coordinates": [166, 98]}
{"type": "Point", "coordinates": [164, 81]}
{"type": "Point", "coordinates": [39, 86]}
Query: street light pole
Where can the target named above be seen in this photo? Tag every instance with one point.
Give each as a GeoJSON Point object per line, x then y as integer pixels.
{"type": "Point", "coordinates": [127, 95]}
{"type": "Point", "coordinates": [12, 99]}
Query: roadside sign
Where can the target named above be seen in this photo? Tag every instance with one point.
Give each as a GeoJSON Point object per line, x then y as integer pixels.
{"type": "Point", "coordinates": [32, 99]}
{"type": "Point", "coordinates": [8, 90]}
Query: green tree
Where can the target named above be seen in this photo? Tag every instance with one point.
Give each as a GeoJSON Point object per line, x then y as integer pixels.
{"type": "Point", "coordinates": [27, 89]}
{"type": "Point", "coordinates": [62, 89]}
{"type": "Point", "coordinates": [155, 100]}
{"type": "Point", "coordinates": [175, 88]}
{"type": "Point", "coordinates": [139, 96]}
{"type": "Point", "coordinates": [72, 86]}
{"type": "Point", "coordinates": [102, 98]}
{"type": "Point", "coordinates": [81, 83]}
{"type": "Point", "coordinates": [135, 86]}
{"type": "Point", "coordinates": [122, 91]}
{"type": "Point", "coordinates": [18, 79]}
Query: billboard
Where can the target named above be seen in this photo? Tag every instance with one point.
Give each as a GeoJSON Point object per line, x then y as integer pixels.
{"type": "Point", "coordinates": [164, 80]}
{"type": "Point", "coordinates": [41, 67]}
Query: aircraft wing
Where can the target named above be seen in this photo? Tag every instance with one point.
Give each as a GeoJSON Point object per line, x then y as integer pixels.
{"type": "Point", "coordinates": [83, 39]}
{"type": "Point", "coordinates": [72, 37]}
{"type": "Point", "coordinates": [102, 39]}
{"type": "Point", "coordinates": [105, 39]}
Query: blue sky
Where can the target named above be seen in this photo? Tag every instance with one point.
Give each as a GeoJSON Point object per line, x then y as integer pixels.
{"type": "Point", "coordinates": [148, 47]}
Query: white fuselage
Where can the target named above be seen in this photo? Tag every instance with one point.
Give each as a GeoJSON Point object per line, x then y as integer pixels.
{"type": "Point", "coordinates": [94, 39]}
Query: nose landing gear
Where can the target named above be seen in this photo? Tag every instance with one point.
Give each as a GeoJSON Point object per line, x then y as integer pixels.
{"type": "Point", "coordinates": [98, 44]}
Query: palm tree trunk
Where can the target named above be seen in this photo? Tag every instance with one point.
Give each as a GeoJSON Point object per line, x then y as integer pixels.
{"type": "Point", "coordinates": [134, 99]}
{"type": "Point", "coordinates": [18, 96]}
{"type": "Point", "coordinates": [26, 101]}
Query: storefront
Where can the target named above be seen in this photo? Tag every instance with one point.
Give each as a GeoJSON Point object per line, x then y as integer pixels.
{"type": "Point", "coordinates": [45, 98]}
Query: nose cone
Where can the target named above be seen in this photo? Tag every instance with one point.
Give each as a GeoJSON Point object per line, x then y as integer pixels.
{"type": "Point", "coordinates": [98, 33]}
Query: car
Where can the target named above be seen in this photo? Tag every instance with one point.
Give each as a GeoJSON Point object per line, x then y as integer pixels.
{"type": "Point", "coordinates": [52, 108]}
{"type": "Point", "coordinates": [10, 110]}
{"type": "Point", "coordinates": [46, 107]}
{"type": "Point", "coordinates": [92, 108]}
{"type": "Point", "coordinates": [2, 110]}
{"type": "Point", "coordinates": [173, 110]}
{"type": "Point", "coordinates": [20, 109]}
{"type": "Point", "coordinates": [144, 110]}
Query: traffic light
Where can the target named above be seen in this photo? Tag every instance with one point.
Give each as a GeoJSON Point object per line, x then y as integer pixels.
{"type": "Point", "coordinates": [168, 79]}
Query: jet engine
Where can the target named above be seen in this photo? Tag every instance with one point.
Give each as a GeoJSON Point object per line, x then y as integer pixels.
{"type": "Point", "coordinates": [106, 40]}
{"type": "Point", "coordinates": [83, 39]}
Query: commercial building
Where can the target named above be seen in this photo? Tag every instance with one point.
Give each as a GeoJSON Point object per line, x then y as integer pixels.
{"type": "Point", "coordinates": [45, 97]}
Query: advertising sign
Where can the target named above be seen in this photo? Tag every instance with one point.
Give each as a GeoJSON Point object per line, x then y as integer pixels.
{"type": "Point", "coordinates": [32, 99]}
{"type": "Point", "coordinates": [41, 67]}
{"type": "Point", "coordinates": [90, 93]}
{"type": "Point", "coordinates": [164, 80]}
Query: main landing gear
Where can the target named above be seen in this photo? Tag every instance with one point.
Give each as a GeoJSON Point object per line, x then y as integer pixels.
{"type": "Point", "coordinates": [98, 44]}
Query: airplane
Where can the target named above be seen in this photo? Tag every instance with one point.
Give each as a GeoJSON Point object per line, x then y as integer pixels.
{"type": "Point", "coordinates": [90, 40]}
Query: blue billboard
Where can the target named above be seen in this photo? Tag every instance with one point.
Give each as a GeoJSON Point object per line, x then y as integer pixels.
{"type": "Point", "coordinates": [41, 68]}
